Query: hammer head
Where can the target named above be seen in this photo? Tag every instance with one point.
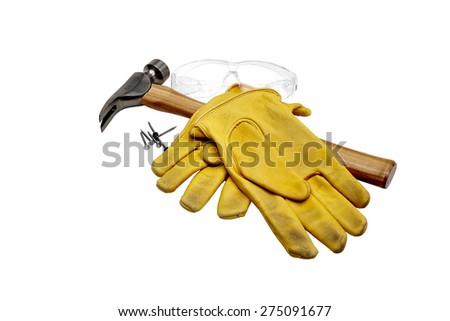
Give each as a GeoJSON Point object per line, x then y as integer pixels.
{"type": "Point", "coordinates": [131, 92]}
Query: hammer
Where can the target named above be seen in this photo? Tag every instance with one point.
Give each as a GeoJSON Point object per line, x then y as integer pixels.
{"type": "Point", "coordinates": [145, 88]}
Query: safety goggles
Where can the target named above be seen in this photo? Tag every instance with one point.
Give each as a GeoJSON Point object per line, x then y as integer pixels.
{"type": "Point", "coordinates": [207, 78]}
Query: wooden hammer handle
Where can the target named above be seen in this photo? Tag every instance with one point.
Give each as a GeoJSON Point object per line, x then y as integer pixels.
{"type": "Point", "coordinates": [166, 99]}
{"type": "Point", "coordinates": [371, 169]}
{"type": "Point", "coordinates": [368, 168]}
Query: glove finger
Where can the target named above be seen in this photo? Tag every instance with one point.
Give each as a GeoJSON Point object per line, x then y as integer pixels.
{"type": "Point", "coordinates": [183, 169]}
{"type": "Point", "coordinates": [281, 219]}
{"type": "Point", "coordinates": [179, 149]}
{"type": "Point", "coordinates": [299, 109]}
{"type": "Point", "coordinates": [232, 202]}
{"type": "Point", "coordinates": [202, 187]}
{"type": "Point", "coordinates": [250, 159]}
{"type": "Point", "coordinates": [345, 183]}
{"type": "Point", "coordinates": [320, 223]}
{"type": "Point", "coordinates": [342, 210]}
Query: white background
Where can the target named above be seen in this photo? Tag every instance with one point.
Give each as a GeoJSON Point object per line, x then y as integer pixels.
{"type": "Point", "coordinates": [78, 240]}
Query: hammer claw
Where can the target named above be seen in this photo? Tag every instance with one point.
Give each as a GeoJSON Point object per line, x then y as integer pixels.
{"type": "Point", "coordinates": [131, 92]}
{"type": "Point", "coordinates": [107, 115]}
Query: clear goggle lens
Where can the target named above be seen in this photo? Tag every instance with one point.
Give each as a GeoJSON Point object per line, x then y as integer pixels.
{"type": "Point", "coordinates": [208, 78]}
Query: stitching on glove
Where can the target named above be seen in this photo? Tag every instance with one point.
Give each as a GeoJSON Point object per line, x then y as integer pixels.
{"type": "Point", "coordinates": [186, 207]}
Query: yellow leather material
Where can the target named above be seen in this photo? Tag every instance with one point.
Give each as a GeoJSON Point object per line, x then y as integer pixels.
{"type": "Point", "coordinates": [232, 203]}
{"type": "Point", "coordinates": [272, 160]}
{"type": "Point", "coordinates": [285, 170]}
{"type": "Point", "coordinates": [202, 187]}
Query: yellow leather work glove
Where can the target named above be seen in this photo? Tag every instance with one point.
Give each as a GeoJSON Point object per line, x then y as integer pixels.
{"type": "Point", "coordinates": [285, 170]}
